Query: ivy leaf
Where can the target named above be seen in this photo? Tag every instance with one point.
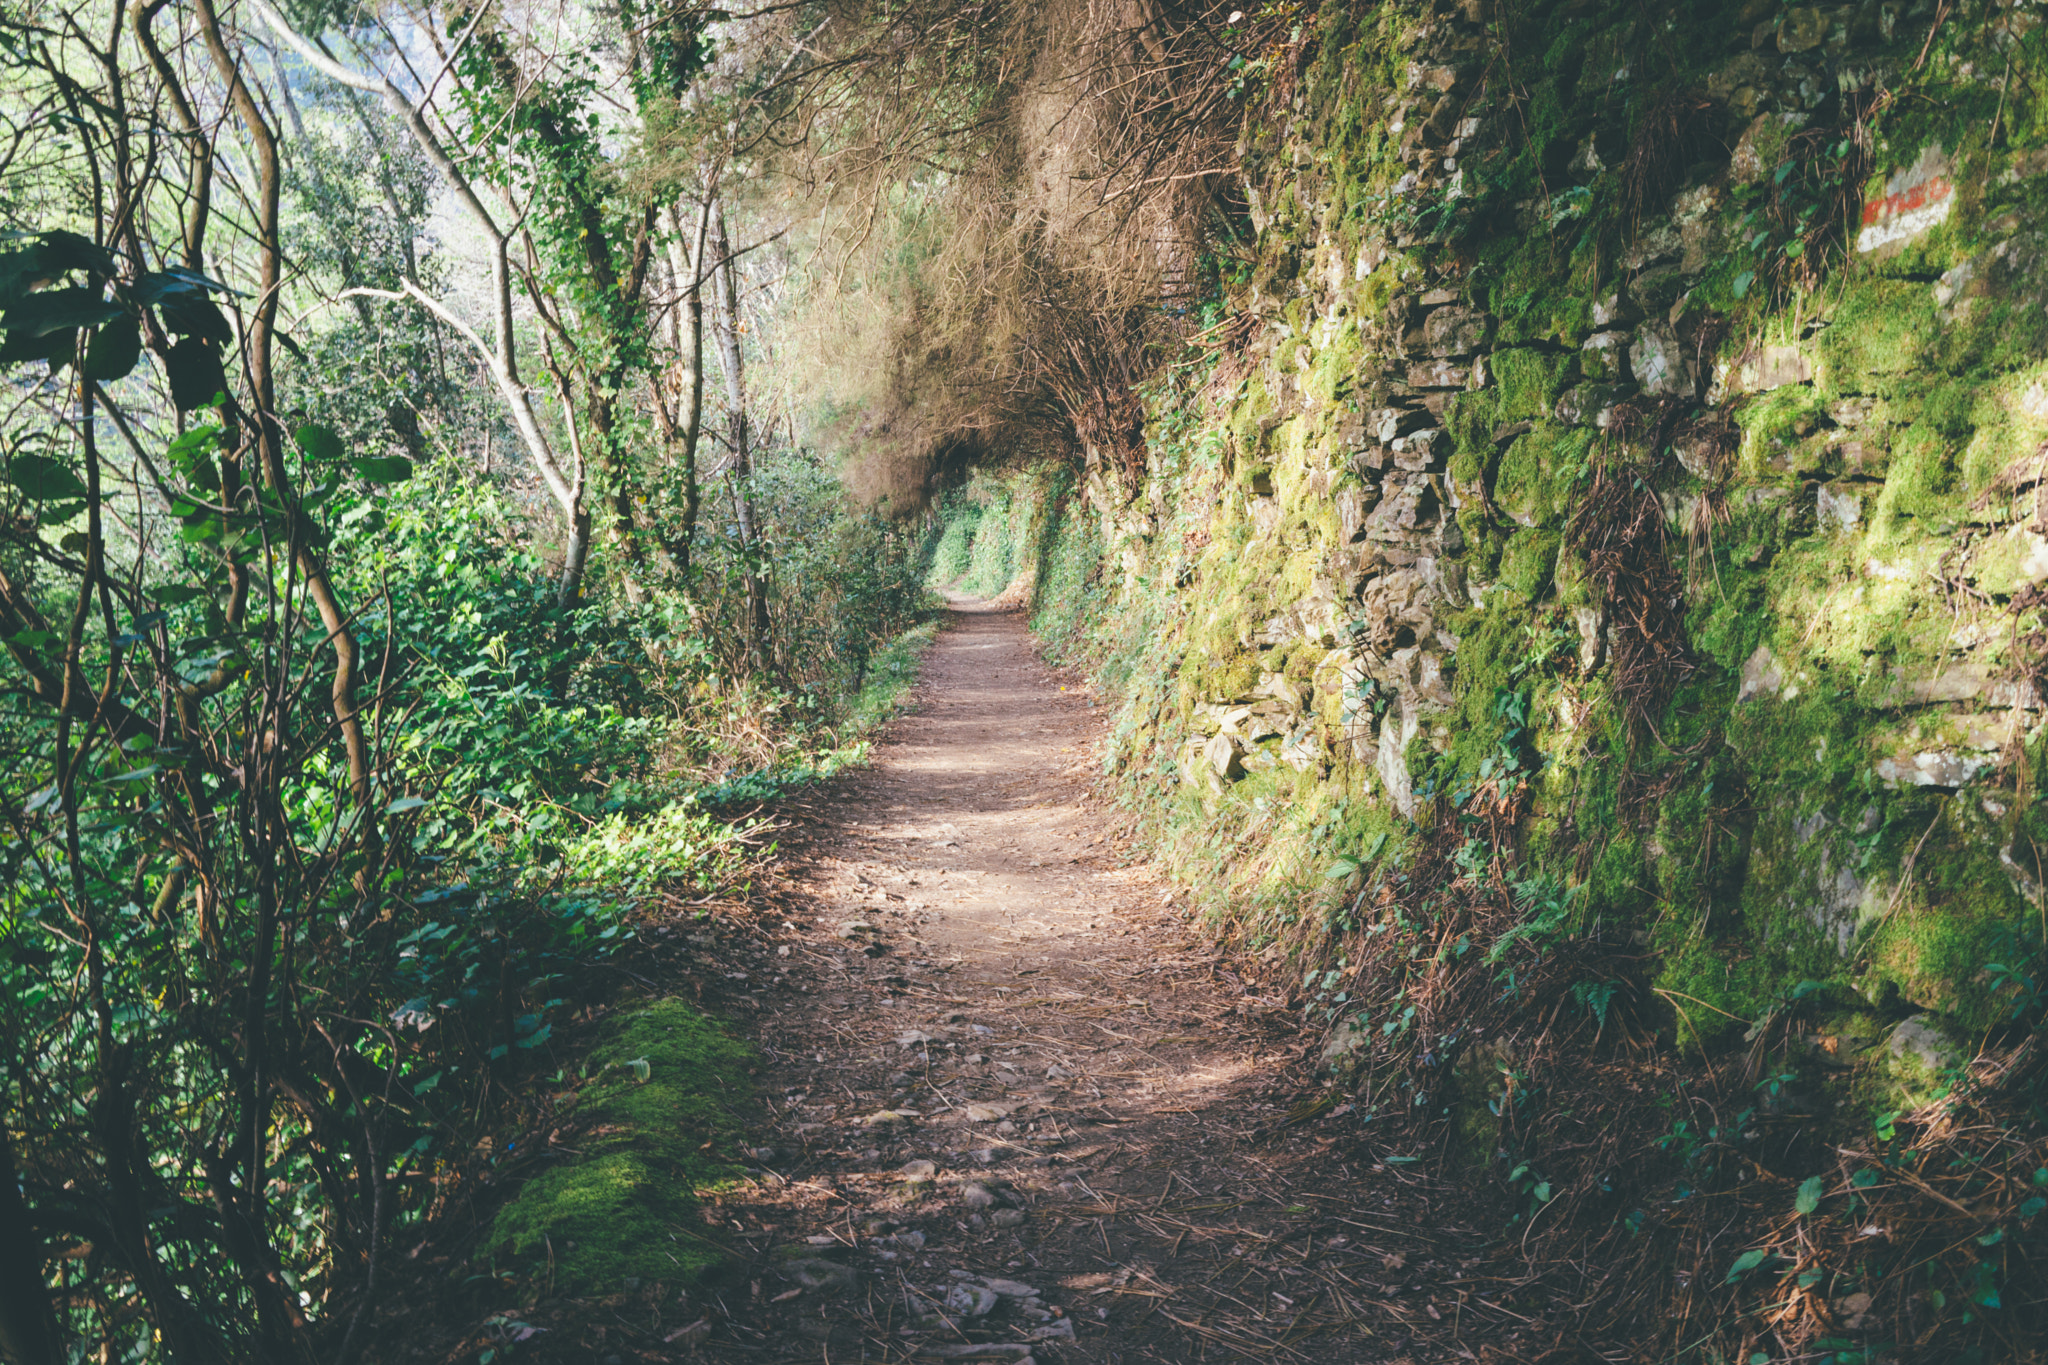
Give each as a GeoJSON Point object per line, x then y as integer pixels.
{"type": "Point", "coordinates": [1743, 282]}
{"type": "Point", "coordinates": [195, 374]}
{"type": "Point", "coordinates": [384, 468]}
{"type": "Point", "coordinates": [195, 315]}
{"type": "Point", "coordinates": [19, 270]}
{"type": "Point", "coordinates": [158, 285]}
{"type": "Point", "coordinates": [59, 310]}
{"type": "Point", "coordinates": [42, 478]}
{"type": "Point", "coordinates": [320, 443]}
{"type": "Point", "coordinates": [1746, 1262]}
{"type": "Point", "coordinates": [193, 452]}
{"type": "Point", "coordinates": [114, 349]}
{"type": "Point", "coordinates": [54, 349]}
{"type": "Point", "coordinates": [1808, 1199]}
{"type": "Point", "coordinates": [63, 250]}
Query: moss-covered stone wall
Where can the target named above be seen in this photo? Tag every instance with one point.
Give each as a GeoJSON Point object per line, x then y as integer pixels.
{"type": "Point", "coordinates": [1636, 411]}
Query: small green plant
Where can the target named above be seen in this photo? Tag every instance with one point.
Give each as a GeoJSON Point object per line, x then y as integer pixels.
{"type": "Point", "coordinates": [1596, 998]}
{"type": "Point", "coordinates": [1525, 1179]}
{"type": "Point", "coordinates": [2018, 974]}
{"type": "Point", "coordinates": [1545, 904]}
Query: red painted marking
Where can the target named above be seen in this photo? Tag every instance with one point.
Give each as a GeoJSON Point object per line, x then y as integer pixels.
{"type": "Point", "coordinates": [1930, 191]}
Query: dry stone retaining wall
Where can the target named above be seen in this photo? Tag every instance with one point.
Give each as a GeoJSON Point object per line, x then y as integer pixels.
{"type": "Point", "coordinates": [1792, 284]}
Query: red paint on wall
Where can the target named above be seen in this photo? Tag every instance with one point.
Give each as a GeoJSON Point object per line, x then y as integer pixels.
{"type": "Point", "coordinates": [1926, 193]}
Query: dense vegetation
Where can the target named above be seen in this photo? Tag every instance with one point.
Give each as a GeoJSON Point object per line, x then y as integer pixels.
{"type": "Point", "coordinates": [381, 654]}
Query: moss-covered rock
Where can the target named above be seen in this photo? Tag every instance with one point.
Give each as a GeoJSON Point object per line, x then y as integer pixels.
{"type": "Point", "coordinates": [657, 1125]}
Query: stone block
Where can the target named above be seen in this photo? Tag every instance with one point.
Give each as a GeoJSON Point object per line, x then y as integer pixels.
{"type": "Point", "coordinates": [1451, 332]}
{"type": "Point", "coordinates": [1401, 724]}
{"type": "Point", "coordinates": [1224, 755]}
{"type": "Point", "coordinates": [1353, 503]}
{"type": "Point", "coordinates": [1590, 405]}
{"type": "Point", "coordinates": [1421, 450]}
{"type": "Point", "coordinates": [1437, 77]}
{"type": "Point", "coordinates": [1762, 676]}
{"type": "Point", "coordinates": [1921, 1057]}
{"type": "Point", "coordinates": [1615, 309]}
{"type": "Point", "coordinates": [1604, 357]}
{"type": "Point", "coordinates": [1592, 624]}
{"type": "Point", "coordinates": [1802, 29]}
{"type": "Point", "coordinates": [1293, 696]}
{"type": "Point", "coordinates": [1303, 750]}
{"type": "Point", "coordinates": [1387, 424]}
{"type": "Point", "coordinates": [1658, 362]}
{"type": "Point", "coordinates": [1864, 457]}
{"type": "Point", "coordinates": [1776, 366]}
{"type": "Point", "coordinates": [1931, 768]}
{"type": "Point", "coordinates": [1838, 507]}
{"type": "Point", "coordinates": [1439, 374]}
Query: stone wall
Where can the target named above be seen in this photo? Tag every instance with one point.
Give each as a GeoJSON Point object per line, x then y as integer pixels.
{"type": "Point", "coordinates": [1516, 269]}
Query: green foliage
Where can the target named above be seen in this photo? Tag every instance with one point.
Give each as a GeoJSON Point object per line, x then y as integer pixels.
{"type": "Point", "coordinates": [955, 550]}
{"type": "Point", "coordinates": [300, 893]}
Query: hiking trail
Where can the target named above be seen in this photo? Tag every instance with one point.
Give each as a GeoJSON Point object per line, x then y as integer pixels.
{"type": "Point", "coordinates": [1000, 1063]}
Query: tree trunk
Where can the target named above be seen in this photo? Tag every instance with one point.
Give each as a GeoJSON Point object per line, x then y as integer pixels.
{"type": "Point", "coordinates": [28, 1329]}
{"type": "Point", "coordinates": [726, 329]}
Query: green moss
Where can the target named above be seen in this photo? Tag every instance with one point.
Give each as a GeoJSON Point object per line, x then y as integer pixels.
{"type": "Point", "coordinates": [1247, 418]}
{"type": "Point", "coordinates": [1920, 486]}
{"type": "Point", "coordinates": [1530, 562]}
{"type": "Point", "coordinates": [1529, 381]}
{"type": "Point", "coordinates": [625, 1208]}
{"type": "Point", "coordinates": [1770, 852]}
{"type": "Point", "coordinates": [1932, 940]}
{"type": "Point", "coordinates": [1536, 476]}
{"type": "Point", "coordinates": [1772, 425]}
{"type": "Point", "coordinates": [1881, 341]}
{"type": "Point", "coordinates": [1331, 375]}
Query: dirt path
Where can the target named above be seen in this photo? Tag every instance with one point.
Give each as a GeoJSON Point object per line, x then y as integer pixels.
{"type": "Point", "coordinates": [999, 1062]}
